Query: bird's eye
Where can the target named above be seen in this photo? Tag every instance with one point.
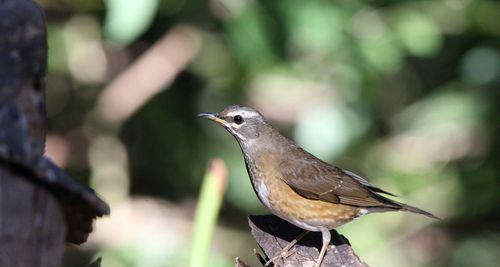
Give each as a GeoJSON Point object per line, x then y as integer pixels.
{"type": "Point", "coordinates": [238, 119]}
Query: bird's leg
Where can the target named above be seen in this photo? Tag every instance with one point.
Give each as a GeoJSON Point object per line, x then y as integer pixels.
{"type": "Point", "coordinates": [325, 233]}
{"type": "Point", "coordinates": [285, 251]}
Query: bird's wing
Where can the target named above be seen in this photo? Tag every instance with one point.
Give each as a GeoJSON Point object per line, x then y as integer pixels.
{"type": "Point", "coordinates": [364, 182]}
{"type": "Point", "coordinates": [315, 179]}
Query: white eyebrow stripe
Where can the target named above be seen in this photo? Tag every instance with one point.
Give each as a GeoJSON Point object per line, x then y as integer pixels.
{"type": "Point", "coordinates": [244, 113]}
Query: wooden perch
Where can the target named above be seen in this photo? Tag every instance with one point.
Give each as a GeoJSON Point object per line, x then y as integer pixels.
{"type": "Point", "coordinates": [41, 206]}
{"type": "Point", "coordinates": [273, 234]}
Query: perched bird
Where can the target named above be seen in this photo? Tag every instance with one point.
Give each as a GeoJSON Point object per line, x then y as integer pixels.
{"type": "Point", "coordinates": [295, 185]}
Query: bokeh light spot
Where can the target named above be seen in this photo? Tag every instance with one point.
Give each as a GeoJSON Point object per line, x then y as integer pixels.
{"type": "Point", "coordinates": [481, 65]}
{"type": "Point", "coordinates": [326, 131]}
{"type": "Point", "coordinates": [419, 33]}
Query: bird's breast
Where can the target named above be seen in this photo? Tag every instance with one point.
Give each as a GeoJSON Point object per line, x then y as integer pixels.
{"type": "Point", "coordinates": [263, 193]}
{"type": "Point", "coordinates": [284, 202]}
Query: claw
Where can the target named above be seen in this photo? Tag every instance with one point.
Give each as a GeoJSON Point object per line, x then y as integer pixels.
{"type": "Point", "coordinates": [282, 255]}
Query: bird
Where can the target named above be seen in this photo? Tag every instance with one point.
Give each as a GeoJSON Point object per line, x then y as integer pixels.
{"type": "Point", "coordinates": [297, 186]}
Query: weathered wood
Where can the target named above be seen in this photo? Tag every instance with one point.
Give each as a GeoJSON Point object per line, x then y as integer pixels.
{"type": "Point", "coordinates": [32, 228]}
{"type": "Point", "coordinates": [22, 103]}
{"type": "Point", "coordinates": [273, 234]}
{"type": "Point", "coordinates": [40, 205]}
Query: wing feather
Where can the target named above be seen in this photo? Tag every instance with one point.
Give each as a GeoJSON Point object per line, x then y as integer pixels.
{"type": "Point", "coordinates": [314, 179]}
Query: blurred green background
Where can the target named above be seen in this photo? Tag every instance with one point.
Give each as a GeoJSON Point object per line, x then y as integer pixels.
{"type": "Point", "coordinates": [405, 93]}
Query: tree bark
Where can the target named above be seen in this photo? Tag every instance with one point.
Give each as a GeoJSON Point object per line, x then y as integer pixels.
{"type": "Point", "coordinates": [273, 234]}
{"type": "Point", "coordinates": [41, 207]}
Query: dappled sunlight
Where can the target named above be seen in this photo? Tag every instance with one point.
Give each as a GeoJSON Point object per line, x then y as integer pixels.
{"type": "Point", "coordinates": [87, 61]}
{"type": "Point", "coordinates": [402, 92]}
{"type": "Point", "coordinates": [109, 168]}
{"type": "Point", "coordinates": [152, 72]}
{"type": "Point", "coordinates": [150, 232]}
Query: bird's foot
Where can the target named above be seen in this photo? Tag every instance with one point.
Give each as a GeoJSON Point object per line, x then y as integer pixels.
{"type": "Point", "coordinates": [285, 253]}
{"type": "Point", "coordinates": [332, 248]}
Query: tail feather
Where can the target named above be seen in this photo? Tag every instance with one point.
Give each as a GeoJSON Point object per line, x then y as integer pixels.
{"type": "Point", "coordinates": [417, 210]}
{"type": "Point", "coordinates": [378, 190]}
{"type": "Point", "coordinates": [389, 204]}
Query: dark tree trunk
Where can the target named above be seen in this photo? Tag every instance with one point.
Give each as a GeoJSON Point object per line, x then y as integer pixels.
{"type": "Point", "coordinates": [41, 207]}
{"type": "Point", "coordinates": [32, 226]}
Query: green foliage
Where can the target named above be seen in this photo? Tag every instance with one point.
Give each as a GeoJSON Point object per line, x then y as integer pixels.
{"type": "Point", "coordinates": [404, 92]}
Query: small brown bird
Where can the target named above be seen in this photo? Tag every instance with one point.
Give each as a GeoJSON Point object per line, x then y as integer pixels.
{"type": "Point", "coordinates": [295, 185]}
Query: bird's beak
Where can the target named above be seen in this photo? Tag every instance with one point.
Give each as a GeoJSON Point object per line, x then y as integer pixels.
{"type": "Point", "coordinates": [211, 116]}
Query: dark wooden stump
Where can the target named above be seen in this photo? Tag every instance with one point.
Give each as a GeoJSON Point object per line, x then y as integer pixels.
{"type": "Point", "coordinates": [41, 207]}
{"type": "Point", "coordinates": [32, 226]}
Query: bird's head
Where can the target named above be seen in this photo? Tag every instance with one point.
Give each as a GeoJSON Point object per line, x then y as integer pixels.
{"type": "Point", "coordinates": [242, 122]}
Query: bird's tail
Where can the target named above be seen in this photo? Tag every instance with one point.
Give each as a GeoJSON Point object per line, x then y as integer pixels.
{"type": "Point", "coordinates": [417, 210]}
{"type": "Point", "coordinates": [389, 204]}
